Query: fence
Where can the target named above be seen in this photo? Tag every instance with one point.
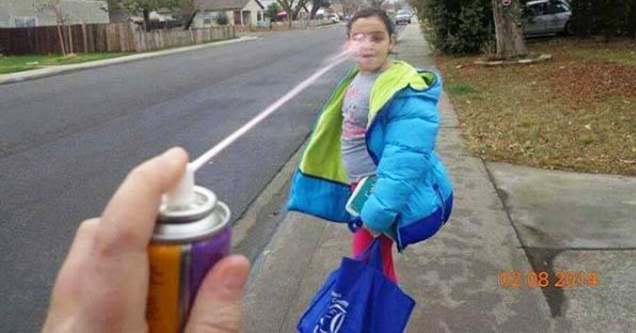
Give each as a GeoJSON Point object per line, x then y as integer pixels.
{"type": "Point", "coordinates": [279, 26]}
{"type": "Point", "coordinates": [92, 38]}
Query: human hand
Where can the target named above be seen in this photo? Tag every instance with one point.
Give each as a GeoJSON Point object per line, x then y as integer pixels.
{"type": "Point", "coordinates": [103, 284]}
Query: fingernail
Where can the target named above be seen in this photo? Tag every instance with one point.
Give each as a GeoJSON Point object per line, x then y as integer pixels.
{"type": "Point", "coordinates": [172, 151]}
{"type": "Point", "coordinates": [234, 277]}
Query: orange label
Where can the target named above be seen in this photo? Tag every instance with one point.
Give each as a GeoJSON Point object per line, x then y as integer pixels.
{"type": "Point", "coordinates": [162, 311]}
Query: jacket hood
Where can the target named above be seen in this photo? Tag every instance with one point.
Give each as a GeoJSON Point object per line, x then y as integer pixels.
{"type": "Point", "coordinates": [405, 79]}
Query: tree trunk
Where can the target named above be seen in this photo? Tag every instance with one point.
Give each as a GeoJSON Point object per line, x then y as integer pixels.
{"type": "Point", "coordinates": [510, 40]}
{"type": "Point", "coordinates": [316, 4]}
{"type": "Point", "coordinates": [314, 10]}
{"type": "Point", "coordinates": [190, 20]}
{"type": "Point", "coordinates": [70, 40]}
{"type": "Point", "coordinates": [61, 37]}
{"type": "Point", "coordinates": [146, 19]}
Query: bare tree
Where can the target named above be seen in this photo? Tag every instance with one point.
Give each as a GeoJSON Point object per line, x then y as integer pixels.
{"type": "Point", "coordinates": [376, 3]}
{"type": "Point", "coordinates": [292, 8]}
{"type": "Point", "coordinates": [510, 40]}
{"type": "Point", "coordinates": [61, 19]}
{"type": "Point", "coordinates": [350, 6]}
{"type": "Point", "coordinates": [188, 9]}
{"type": "Point", "coordinates": [317, 4]}
{"type": "Point", "coordinates": [147, 6]}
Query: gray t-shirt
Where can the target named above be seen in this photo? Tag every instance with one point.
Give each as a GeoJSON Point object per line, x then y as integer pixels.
{"type": "Point", "coordinates": [355, 110]}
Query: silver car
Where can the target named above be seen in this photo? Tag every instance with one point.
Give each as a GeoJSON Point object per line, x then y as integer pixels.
{"type": "Point", "coordinates": [548, 17]}
{"type": "Point", "coordinates": [403, 17]}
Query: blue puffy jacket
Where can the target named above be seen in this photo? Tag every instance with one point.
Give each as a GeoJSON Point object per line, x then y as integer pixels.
{"type": "Point", "coordinates": [413, 194]}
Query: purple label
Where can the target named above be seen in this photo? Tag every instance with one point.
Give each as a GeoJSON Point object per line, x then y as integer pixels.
{"type": "Point", "coordinates": [204, 255]}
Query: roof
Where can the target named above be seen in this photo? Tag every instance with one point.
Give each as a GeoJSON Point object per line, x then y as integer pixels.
{"type": "Point", "coordinates": [213, 5]}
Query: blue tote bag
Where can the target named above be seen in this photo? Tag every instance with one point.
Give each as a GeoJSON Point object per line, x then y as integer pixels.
{"type": "Point", "coordinates": [357, 297]}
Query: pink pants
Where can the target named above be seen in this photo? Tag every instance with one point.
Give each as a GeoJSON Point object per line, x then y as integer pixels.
{"type": "Point", "coordinates": [363, 238]}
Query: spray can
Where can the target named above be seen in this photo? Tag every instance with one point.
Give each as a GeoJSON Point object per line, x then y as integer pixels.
{"type": "Point", "coordinates": [192, 234]}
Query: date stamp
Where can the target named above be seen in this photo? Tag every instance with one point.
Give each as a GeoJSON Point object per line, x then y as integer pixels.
{"type": "Point", "coordinates": [516, 279]}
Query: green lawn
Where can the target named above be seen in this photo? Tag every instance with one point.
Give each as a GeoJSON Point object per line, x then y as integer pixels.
{"type": "Point", "coordinates": [13, 64]}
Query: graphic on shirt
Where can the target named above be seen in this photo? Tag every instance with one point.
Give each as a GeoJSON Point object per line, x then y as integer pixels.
{"type": "Point", "coordinates": [354, 122]}
{"type": "Point", "coordinates": [355, 113]}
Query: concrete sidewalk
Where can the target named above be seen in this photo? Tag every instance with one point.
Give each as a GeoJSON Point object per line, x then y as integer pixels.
{"type": "Point", "coordinates": [454, 277]}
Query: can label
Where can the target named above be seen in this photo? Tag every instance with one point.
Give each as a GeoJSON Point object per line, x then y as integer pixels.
{"type": "Point", "coordinates": [162, 310]}
{"type": "Point", "coordinates": [176, 273]}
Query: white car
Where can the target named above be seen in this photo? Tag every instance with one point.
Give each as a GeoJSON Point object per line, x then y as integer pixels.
{"type": "Point", "coordinates": [548, 17]}
{"type": "Point", "coordinates": [334, 18]}
{"type": "Point", "coordinates": [403, 17]}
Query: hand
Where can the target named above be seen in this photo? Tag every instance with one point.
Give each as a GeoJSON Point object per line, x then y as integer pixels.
{"type": "Point", "coordinates": [103, 284]}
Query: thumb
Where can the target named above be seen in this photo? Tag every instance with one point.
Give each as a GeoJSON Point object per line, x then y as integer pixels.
{"type": "Point", "coordinates": [219, 302]}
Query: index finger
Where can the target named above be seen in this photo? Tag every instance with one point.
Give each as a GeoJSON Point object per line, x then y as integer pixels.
{"type": "Point", "coordinates": [129, 218]}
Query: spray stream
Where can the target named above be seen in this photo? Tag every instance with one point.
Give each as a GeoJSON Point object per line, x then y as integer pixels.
{"type": "Point", "coordinates": [183, 193]}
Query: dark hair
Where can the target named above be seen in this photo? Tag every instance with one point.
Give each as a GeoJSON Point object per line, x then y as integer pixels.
{"type": "Point", "coordinates": [371, 12]}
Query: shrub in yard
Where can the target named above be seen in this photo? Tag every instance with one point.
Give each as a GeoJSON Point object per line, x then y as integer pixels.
{"type": "Point", "coordinates": [272, 10]}
{"type": "Point", "coordinates": [457, 26]}
{"type": "Point", "coordinates": [222, 19]}
{"type": "Point", "coordinates": [608, 17]}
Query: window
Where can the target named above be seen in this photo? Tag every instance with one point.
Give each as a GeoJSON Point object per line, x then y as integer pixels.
{"type": "Point", "coordinates": [538, 9]}
{"type": "Point", "coordinates": [207, 18]}
{"type": "Point", "coordinates": [555, 7]}
{"type": "Point", "coordinates": [26, 21]}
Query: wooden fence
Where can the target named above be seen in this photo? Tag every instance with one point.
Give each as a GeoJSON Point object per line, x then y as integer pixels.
{"type": "Point", "coordinates": [92, 38]}
{"type": "Point", "coordinates": [279, 26]}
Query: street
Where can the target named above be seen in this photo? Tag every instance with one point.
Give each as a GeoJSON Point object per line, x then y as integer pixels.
{"type": "Point", "coordinates": [67, 141]}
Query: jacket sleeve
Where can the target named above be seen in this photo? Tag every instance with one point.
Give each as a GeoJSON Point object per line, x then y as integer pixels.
{"type": "Point", "coordinates": [409, 140]}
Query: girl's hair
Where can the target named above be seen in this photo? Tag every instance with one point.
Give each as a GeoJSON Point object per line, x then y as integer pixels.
{"type": "Point", "coordinates": [371, 12]}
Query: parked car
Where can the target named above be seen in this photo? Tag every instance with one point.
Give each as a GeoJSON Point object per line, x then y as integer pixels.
{"type": "Point", "coordinates": [547, 17]}
{"type": "Point", "coordinates": [334, 18]}
{"type": "Point", "coordinates": [403, 17]}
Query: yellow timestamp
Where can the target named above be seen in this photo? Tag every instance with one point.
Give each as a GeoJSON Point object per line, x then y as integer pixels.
{"type": "Point", "coordinates": [516, 279]}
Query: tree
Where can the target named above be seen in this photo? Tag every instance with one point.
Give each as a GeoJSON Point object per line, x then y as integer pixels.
{"type": "Point", "coordinates": [350, 6]}
{"type": "Point", "coordinates": [376, 3]}
{"type": "Point", "coordinates": [272, 11]}
{"type": "Point", "coordinates": [61, 19]}
{"type": "Point", "coordinates": [292, 8]}
{"type": "Point", "coordinates": [510, 40]}
{"type": "Point", "coordinates": [317, 4]}
{"type": "Point", "coordinates": [187, 10]}
{"type": "Point", "coordinates": [147, 6]}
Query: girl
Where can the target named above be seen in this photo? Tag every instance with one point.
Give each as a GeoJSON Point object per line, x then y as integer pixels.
{"type": "Point", "coordinates": [381, 121]}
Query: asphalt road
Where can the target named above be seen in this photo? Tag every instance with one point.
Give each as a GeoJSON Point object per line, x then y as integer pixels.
{"type": "Point", "coordinates": [67, 141]}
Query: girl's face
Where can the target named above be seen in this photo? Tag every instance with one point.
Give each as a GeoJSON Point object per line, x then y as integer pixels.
{"type": "Point", "coordinates": [370, 43]}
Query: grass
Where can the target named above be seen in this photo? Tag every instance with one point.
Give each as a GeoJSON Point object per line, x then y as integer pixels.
{"type": "Point", "coordinates": [15, 64]}
{"type": "Point", "coordinates": [576, 111]}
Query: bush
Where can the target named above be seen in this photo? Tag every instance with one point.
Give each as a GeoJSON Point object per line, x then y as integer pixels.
{"type": "Point", "coordinates": [608, 17]}
{"type": "Point", "coordinates": [222, 19]}
{"type": "Point", "coordinates": [272, 10]}
{"type": "Point", "coordinates": [457, 26]}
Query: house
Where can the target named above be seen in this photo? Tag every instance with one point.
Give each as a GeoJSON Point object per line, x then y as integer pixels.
{"type": "Point", "coordinates": [34, 13]}
{"type": "Point", "coordinates": [238, 12]}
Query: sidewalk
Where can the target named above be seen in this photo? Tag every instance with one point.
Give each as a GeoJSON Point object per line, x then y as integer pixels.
{"type": "Point", "coordinates": [56, 70]}
{"type": "Point", "coordinates": [454, 277]}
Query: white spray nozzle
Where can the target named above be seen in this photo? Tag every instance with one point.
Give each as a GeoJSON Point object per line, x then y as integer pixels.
{"type": "Point", "coordinates": [182, 195]}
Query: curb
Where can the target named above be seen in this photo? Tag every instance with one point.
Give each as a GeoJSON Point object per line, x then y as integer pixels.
{"type": "Point", "coordinates": [46, 72]}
